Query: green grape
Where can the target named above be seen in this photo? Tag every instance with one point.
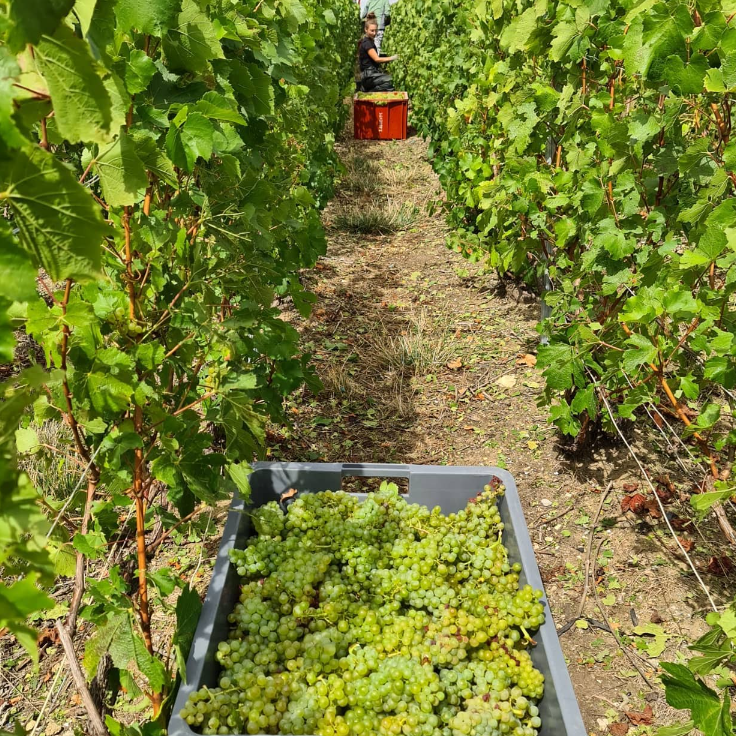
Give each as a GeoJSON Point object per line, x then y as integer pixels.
{"type": "Point", "coordinates": [379, 618]}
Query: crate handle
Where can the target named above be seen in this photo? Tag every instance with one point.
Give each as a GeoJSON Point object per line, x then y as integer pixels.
{"type": "Point", "coordinates": [373, 470]}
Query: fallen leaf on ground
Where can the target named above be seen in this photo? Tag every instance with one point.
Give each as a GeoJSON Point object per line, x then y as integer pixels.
{"type": "Point", "coordinates": [527, 359]}
{"type": "Point", "coordinates": [630, 487]}
{"type": "Point", "coordinates": [618, 729]}
{"type": "Point", "coordinates": [643, 718]}
{"type": "Point", "coordinates": [655, 618]}
{"type": "Point", "coordinates": [635, 503]}
{"type": "Point", "coordinates": [48, 636]}
{"type": "Point", "coordinates": [720, 565]}
{"type": "Point", "coordinates": [687, 544]}
{"type": "Point", "coordinates": [507, 381]}
{"type": "Point", "coordinates": [455, 365]}
{"type": "Point", "coordinates": [679, 523]}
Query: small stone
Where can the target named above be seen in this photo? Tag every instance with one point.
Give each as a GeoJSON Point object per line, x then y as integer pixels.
{"type": "Point", "coordinates": [546, 502]}
{"type": "Point", "coordinates": [52, 729]}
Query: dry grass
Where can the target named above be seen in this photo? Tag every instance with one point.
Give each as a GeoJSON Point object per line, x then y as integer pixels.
{"type": "Point", "coordinates": [361, 175]}
{"type": "Point", "coordinates": [421, 348]}
{"type": "Point", "coordinates": [54, 468]}
{"type": "Point", "coordinates": [376, 217]}
{"type": "Point", "coordinates": [338, 382]}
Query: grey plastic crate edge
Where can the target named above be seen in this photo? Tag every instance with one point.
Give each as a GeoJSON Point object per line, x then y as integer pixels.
{"type": "Point", "coordinates": [570, 711]}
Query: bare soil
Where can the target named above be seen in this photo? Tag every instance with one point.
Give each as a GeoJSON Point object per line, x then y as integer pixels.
{"type": "Point", "coordinates": [426, 358]}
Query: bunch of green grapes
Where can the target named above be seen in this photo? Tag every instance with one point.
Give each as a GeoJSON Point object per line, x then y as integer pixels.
{"type": "Point", "coordinates": [379, 618]}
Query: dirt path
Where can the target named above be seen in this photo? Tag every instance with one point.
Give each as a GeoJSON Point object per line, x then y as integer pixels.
{"type": "Point", "coordinates": [424, 360]}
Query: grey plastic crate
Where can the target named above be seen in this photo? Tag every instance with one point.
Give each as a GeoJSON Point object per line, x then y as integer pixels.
{"type": "Point", "coordinates": [447, 487]}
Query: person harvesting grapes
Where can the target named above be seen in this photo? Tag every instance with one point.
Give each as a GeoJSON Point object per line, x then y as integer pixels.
{"type": "Point", "coordinates": [372, 76]}
{"type": "Point", "coordinates": [381, 9]}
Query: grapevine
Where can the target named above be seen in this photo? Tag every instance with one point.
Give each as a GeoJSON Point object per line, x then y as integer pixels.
{"type": "Point", "coordinates": [162, 171]}
{"type": "Point", "coordinates": [379, 617]}
{"type": "Point", "coordinates": [589, 145]}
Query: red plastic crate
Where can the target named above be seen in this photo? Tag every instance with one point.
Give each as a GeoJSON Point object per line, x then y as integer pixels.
{"type": "Point", "coordinates": [377, 120]}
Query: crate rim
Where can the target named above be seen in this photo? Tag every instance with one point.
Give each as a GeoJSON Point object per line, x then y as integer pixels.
{"type": "Point", "coordinates": [570, 710]}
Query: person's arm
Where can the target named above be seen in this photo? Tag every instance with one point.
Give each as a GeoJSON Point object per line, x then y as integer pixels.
{"type": "Point", "coordinates": [381, 59]}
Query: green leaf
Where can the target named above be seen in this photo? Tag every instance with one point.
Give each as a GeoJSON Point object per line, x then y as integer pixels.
{"type": "Point", "coordinates": [188, 609]}
{"type": "Point", "coordinates": [711, 658]}
{"type": "Point", "coordinates": [684, 691]}
{"type": "Point", "coordinates": [139, 70]}
{"type": "Point", "coordinates": [192, 42]}
{"type": "Point", "coordinates": [17, 274]}
{"type": "Point", "coordinates": [63, 557]}
{"type": "Point", "coordinates": [58, 221]}
{"type": "Point", "coordinates": [26, 440]}
{"type": "Point", "coordinates": [707, 418]}
{"type": "Point", "coordinates": [217, 107]}
{"type": "Point", "coordinates": [689, 387]}
{"type": "Point", "coordinates": [686, 79]}
{"type": "Point", "coordinates": [703, 502]}
{"type": "Point", "coordinates": [122, 175]}
{"type": "Point", "coordinates": [693, 155]}
{"type": "Point", "coordinates": [564, 34]}
{"type": "Point", "coordinates": [196, 136]}
{"type": "Point", "coordinates": [194, 139]}
{"type": "Point", "coordinates": [17, 603]}
{"type": "Point", "coordinates": [92, 545]}
{"type": "Point", "coordinates": [515, 36]}
{"type": "Point", "coordinates": [82, 105]}
{"type": "Point", "coordinates": [240, 475]}
{"type": "Point", "coordinates": [681, 729]}
{"type": "Point", "coordinates": [154, 159]}
{"type": "Point", "coordinates": [164, 580]}
{"type": "Point", "coordinates": [25, 598]}
{"type": "Point", "coordinates": [108, 393]}
{"type": "Point", "coordinates": [28, 20]}
{"type": "Point", "coordinates": [85, 10]}
{"type": "Point", "coordinates": [729, 155]}
{"type": "Point", "coordinates": [559, 363]}
{"type": "Point", "coordinates": [119, 637]}
{"type": "Point", "coordinates": [654, 638]}
{"type": "Point", "coordinates": [680, 302]}
{"type": "Point", "coordinates": [9, 73]}
{"type": "Point", "coordinates": [253, 88]}
{"type": "Point", "coordinates": [645, 352]}
{"type": "Point", "coordinates": [153, 17]}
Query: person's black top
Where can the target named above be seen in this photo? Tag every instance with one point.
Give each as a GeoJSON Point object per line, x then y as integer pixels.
{"type": "Point", "coordinates": [366, 44]}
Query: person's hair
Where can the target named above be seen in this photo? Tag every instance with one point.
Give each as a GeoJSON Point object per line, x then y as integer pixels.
{"type": "Point", "coordinates": [370, 20]}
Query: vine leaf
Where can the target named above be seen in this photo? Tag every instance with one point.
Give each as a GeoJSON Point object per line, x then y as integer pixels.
{"type": "Point", "coordinates": [9, 70]}
{"type": "Point", "coordinates": [193, 42]}
{"type": "Point", "coordinates": [139, 70]}
{"type": "Point", "coordinates": [122, 174]}
{"type": "Point", "coordinates": [119, 637]}
{"type": "Point", "coordinates": [82, 105]}
{"type": "Point", "coordinates": [188, 608]}
{"type": "Point", "coordinates": [684, 691]}
{"type": "Point", "coordinates": [31, 19]}
{"type": "Point", "coordinates": [57, 219]}
{"type": "Point", "coordinates": [17, 602]}
{"type": "Point", "coordinates": [154, 17]}
{"type": "Point", "coordinates": [17, 272]}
